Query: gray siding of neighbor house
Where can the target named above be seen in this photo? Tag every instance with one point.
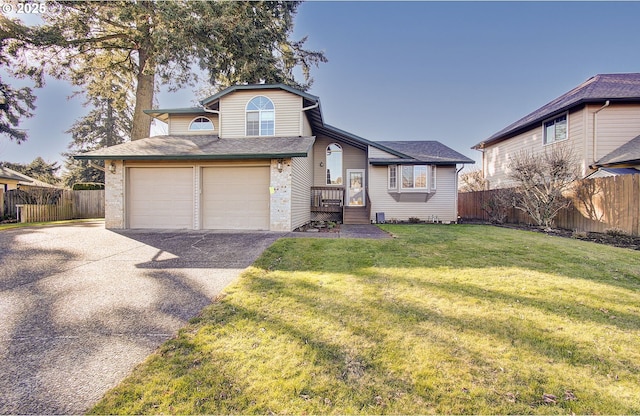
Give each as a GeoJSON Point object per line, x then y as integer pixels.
{"type": "Point", "coordinates": [438, 205]}
{"type": "Point", "coordinates": [288, 110]}
{"type": "Point", "coordinates": [302, 180]}
{"type": "Point", "coordinates": [179, 124]}
{"type": "Point", "coordinates": [352, 158]}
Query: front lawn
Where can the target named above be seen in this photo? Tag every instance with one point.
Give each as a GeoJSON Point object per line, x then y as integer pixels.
{"type": "Point", "coordinates": [457, 319]}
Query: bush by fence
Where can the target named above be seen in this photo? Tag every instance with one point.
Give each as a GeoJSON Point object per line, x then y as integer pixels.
{"type": "Point", "coordinates": [49, 204]}
{"type": "Point", "coordinates": [597, 205]}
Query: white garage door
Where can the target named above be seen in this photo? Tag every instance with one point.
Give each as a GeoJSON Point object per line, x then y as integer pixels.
{"type": "Point", "coordinates": [235, 198]}
{"type": "Point", "coordinates": [160, 198]}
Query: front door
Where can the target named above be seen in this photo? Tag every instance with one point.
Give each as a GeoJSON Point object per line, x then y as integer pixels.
{"type": "Point", "coordinates": [355, 188]}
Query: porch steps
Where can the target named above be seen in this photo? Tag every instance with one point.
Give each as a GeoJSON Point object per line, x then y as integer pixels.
{"type": "Point", "coordinates": [356, 215]}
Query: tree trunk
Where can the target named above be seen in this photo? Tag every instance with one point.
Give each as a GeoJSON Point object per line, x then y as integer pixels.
{"type": "Point", "coordinates": [144, 98]}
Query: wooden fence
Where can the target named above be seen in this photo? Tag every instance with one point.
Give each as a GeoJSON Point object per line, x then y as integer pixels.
{"type": "Point", "coordinates": [52, 204]}
{"type": "Point", "coordinates": [600, 205]}
{"type": "Point", "coordinates": [88, 204]}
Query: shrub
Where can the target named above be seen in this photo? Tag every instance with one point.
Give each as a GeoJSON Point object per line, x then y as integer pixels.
{"type": "Point", "coordinates": [498, 204]}
{"type": "Point", "coordinates": [615, 232]}
{"type": "Point", "coordinates": [87, 186]}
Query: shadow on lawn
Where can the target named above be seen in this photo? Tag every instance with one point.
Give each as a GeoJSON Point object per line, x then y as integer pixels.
{"type": "Point", "coordinates": [351, 351]}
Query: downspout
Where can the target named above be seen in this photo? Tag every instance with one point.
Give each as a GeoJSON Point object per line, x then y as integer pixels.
{"type": "Point", "coordinates": [457, 217]}
{"type": "Point", "coordinates": [217, 112]}
{"type": "Point", "coordinates": [311, 107]}
{"type": "Point", "coordinates": [595, 131]}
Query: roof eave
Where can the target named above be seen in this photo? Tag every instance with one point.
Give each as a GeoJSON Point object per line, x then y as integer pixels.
{"type": "Point", "coordinates": [625, 164]}
{"type": "Point", "coordinates": [572, 107]}
{"type": "Point", "coordinates": [417, 161]}
{"type": "Point", "coordinates": [241, 156]}
{"type": "Point", "coordinates": [243, 87]}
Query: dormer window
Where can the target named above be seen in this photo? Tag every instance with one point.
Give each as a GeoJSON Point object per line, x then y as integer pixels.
{"type": "Point", "coordinates": [201, 124]}
{"type": "Point", "coordinates": [260, 117]}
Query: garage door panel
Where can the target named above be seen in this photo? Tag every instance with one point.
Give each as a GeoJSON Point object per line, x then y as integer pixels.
{"type": "Point", "coordinates": [160, 198]}
{"type": "Point", "coordinates": [236, 198]}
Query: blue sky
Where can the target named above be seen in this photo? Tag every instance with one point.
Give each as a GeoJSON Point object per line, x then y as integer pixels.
{"type": "Point", "coordinates": [455, 72]}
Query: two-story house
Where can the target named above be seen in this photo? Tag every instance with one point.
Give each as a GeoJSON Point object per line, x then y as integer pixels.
{"type": "Point", "coordinates": [597, 120]}
{"type": "Point", "coordinates": [261, 157]}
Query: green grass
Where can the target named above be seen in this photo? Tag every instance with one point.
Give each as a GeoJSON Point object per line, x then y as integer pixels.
{"type": "Point", "coordinates": [457, 319]}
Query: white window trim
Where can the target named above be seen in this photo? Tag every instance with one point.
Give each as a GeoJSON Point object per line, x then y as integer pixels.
{"type": "Point", "coordinates": [395, 184]}
{"type": "Point", "coordinates": [213, 126]}
{"type": "Point", "coordinates": [433, 178]}
{"type": "Point", "coordinates": [326, 170]}
{"type": "Point", "coordinates": [544, 131]}
{"type": "Point", "coordinates": [247, 111]}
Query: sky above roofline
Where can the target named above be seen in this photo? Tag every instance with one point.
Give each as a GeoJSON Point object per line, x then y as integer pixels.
{"type": "Point", "coordinates": [455, 72]}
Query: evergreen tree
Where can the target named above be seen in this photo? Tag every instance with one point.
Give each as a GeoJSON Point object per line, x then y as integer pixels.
{"type": "Point", "coordinates": [38, 169]}
{"type": "Point", "coordinates": [159, 42]}
{"type": "Point", "coordinates": [15, 103]}
{"type": "Point", "coordinates": [107, 124]}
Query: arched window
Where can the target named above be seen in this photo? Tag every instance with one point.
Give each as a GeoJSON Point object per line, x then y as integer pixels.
{"type": "Point", "coordinates": [334, 164]}
{"type": "Point", "coordinates": [261, 117]}
{"type": "Point", "coordinates": [200, 124]}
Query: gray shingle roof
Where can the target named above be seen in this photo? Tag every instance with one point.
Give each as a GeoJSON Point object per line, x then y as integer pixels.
{"type": "Point", "coordinates": [6, 173]}
{"type": "Point", "coordinates": [614, 87]}
{"type": "Point", "coordinates": [627, 153]}
{"type": "Point", "coordinates": [432, 152]}
{"type": "Point", "coordinates": [204, 147]}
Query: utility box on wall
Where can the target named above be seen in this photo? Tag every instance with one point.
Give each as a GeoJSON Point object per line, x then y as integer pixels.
{"type": "Point", "coordinates": [379, 217]}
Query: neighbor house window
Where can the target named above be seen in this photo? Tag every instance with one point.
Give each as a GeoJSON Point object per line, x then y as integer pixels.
{"type": "Point", "coordinates": [260, 117]}
{"type": "Point", "coordinates": [555, 130]}
{"type": "Point", "coordinates": [334, 164]}
{"type": "Point", "coordinates": [393, 177]}
{"type": "Point", "coordinates": [414, 177]}
{"type": "Point", "coordinates": [201, 124]}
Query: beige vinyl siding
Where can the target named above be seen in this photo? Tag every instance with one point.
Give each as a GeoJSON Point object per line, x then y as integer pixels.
{"type": "Point", "coordinates": [439, 205]}
{"type": "Point", "coordinates": [306, 127]}
{"type": "Point", "coordinates": [288, 109]}
{"type": "Point", "coordinates": [374, 152]}
{"type": "Point", "coordinates": [616, 125]}
{"type": "Point", "coordinates": [302, 179]}
{"type": "Point", "coordinates": [496, 157]}
{"type": "Point", "coordinates": [352, 158]}
{"type": "Point", "coordinates": [179, 124]}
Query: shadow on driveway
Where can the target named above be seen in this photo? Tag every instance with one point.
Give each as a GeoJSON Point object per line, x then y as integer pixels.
{"type": "Point", "coordinates": [81, 305]}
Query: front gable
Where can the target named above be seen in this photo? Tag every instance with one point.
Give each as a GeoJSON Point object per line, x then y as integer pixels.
{"type": "Point", "coordinates": [287, 113]}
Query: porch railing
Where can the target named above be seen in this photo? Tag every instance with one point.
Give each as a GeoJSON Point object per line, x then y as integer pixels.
{"type": "Point", "coordinates": [327, 198]}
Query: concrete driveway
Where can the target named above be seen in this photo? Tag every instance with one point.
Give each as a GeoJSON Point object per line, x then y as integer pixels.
{"type": "Point", "coordinates": [80, 306]}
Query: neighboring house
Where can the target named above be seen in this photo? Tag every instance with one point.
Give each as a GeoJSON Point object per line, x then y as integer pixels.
{"type": "Point", "coordinates": [596, 120]}
{"type": "Point", "coordinates": [10, 179]}
{"type": "Point", "coordinates": [260, 157]}
{"type": "Point", "coordinates": [624, 160]}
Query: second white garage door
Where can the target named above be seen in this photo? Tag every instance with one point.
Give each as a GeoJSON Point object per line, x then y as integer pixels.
{"type": "Point", "coordinates": [235, 198]}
